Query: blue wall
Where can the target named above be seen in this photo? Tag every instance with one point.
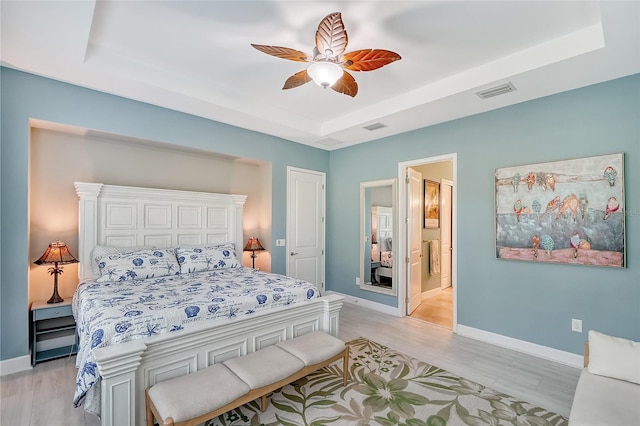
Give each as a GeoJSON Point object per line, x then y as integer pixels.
{"type": "Point", "coordinates": [26, 96]}
{"type": "Point", "coordinates": [522, 300]}
{"type": "Point", "coordinates": [531, 302]}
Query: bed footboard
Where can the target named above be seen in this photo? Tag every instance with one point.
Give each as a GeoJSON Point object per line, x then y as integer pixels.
{"type": "Point", "coordinates": [127, 369]}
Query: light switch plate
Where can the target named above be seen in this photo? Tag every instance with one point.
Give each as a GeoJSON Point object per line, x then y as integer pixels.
{"type": "Point", "coordinates": [281, 242]}
{"type": "Point", "coordinates": [576, 325]}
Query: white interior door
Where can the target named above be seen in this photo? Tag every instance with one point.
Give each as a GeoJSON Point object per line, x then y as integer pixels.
{"type": "Point", "coordinates": [446, 197]}
{"type": "Point", "coordinates": [305, 225]}
{"type": "Point", "coordinates": [414, 272]}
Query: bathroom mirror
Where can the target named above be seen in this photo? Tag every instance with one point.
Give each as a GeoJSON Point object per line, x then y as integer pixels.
{"type": "Point", "coordinates": [378, 226]}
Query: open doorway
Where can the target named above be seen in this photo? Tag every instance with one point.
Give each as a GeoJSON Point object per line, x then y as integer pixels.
{"type": "Point", "coordinates": [428, 202]}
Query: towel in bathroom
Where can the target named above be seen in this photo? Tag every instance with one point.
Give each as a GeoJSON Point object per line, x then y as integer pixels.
{"type": "Point", "coordinates": [434, 257]}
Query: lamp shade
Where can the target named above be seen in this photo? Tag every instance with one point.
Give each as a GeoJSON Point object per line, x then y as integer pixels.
{"type": "Point", "coordinates": [56, 253]}
{"type": "Point", "coordinates": [324, 73]}
{"type": "Point", "coordinates": [253, 245]}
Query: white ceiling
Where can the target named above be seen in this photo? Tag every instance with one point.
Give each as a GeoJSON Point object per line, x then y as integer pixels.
{"type": "Point", "coordinates": [195, 57]}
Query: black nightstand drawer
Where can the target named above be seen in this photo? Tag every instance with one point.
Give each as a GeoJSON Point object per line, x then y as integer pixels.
{"type": "Point", "coordinates": [53, 324]}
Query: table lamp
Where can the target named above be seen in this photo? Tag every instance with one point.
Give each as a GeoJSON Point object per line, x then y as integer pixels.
{"type": "Point", "coordinates": [58, 254]}
{"type": "Point", "coordinates": [253, 245]}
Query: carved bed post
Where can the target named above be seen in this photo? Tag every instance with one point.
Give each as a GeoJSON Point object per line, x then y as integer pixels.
{"type": "Point", "coordinates": [239, 201]}
{"type": "Point", "coordinates": [332, 316]}
{"type": "Point", "coordinates": [118, 371]}
{"type": "Point", "coordinates": [87, 224]}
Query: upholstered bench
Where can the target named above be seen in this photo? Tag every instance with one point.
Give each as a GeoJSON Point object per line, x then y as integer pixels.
{"type": "Point", "coordinates": [608, 390]}
{"type": "Point", "coordinates": [210, 392]}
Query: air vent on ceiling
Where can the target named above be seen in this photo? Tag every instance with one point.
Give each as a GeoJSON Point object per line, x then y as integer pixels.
{"type": "Point", "coordinates": [496, 91]}
{"type": "Point", "coordinates": [375, 126]}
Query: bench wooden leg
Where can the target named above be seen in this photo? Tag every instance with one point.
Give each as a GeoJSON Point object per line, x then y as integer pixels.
{"type": "Point", "coordinates": [263, 403]}
{"type": "Point", "coordinates": [345, 367]}
{"type": "Point", "coordinates": [148, 405]}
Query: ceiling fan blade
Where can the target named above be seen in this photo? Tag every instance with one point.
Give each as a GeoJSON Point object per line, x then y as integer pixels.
{"type": "Point", "coordinates": [346, 85]}
{"type": "Point", "coordinates": [298, 79]}
{"type": "Point", "coordinates": [282, 52]}
{"type": "Point", "coordinates": [331, 37]}
{"type": "Point", "coordinates": [368, 59]}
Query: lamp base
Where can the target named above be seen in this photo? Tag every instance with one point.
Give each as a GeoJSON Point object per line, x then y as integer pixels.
{"type": "Point", "coordinates": [55, 299]}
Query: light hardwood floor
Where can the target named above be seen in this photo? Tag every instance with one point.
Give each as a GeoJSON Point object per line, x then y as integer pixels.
{"type": "Point", "coordinates": [43, 395]}
{"type": "Point", "coordinates": [437, 309]}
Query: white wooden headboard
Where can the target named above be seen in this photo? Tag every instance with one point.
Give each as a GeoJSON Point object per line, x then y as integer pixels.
{"type": "Point", "coordinates": [127, 216]}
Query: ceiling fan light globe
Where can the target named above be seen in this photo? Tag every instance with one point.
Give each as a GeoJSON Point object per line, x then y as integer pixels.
{"type": "Point", "coordinates": [325, 74]}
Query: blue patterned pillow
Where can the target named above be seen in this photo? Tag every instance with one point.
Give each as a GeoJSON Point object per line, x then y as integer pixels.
{"type": "Point", "coordinates": [100, 253]}
{"type": "Point", "coordinates": [139, 264]}
{"type": "Point", "coordinates": [207, 258]}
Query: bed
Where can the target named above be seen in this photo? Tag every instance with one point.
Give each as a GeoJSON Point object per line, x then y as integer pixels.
{"type": "Point", "coordinates": [386, 260]}
{"type": "Point", "coordinates": [386, 266]}
{"type": "Point", "coordinates": [184, 312]}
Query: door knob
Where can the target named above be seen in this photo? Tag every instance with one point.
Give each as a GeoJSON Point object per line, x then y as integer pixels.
{"type": "Point", "coordinates": [292, 254]}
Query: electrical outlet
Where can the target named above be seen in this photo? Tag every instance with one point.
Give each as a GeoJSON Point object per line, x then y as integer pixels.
{"type": "Point", "coordinates": [576, 325]}
{"type": "Point", "coordinates": [357, 280]}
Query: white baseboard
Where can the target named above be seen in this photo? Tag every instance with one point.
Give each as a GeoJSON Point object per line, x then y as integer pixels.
{"type": "Point", "coordinates": [431, 293]}
{"type": "Point", "coordinates": [544, 352]}
{"type": "Point", "coordinates": [374, 306]}
{"type": "Point", "coordinates": [529, 348]}
{"type": "Point", "coordinates": [15, 365]}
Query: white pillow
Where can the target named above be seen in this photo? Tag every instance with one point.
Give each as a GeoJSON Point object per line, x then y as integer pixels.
{"type": "Point", "coordinates": [614, 357]}
{"type": "Point", "coordinates": [139, 264]}
{"type": "Point", "coordinates": [99, 253]}
{"type": "Point", "coordinates": [207, 257]}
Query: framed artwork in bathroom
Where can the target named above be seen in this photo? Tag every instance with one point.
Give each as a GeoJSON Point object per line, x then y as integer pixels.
{"type": "Point", "coordinates": [568, 211]}
{"type": "Point", "coordinates": [431, 204]}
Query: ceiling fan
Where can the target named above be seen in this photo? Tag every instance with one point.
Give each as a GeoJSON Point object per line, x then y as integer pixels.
{"type": "Point", "coordinates": [329, 64]}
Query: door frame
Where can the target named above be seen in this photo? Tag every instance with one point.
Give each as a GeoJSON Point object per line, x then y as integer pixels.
{"type": "Point", "coordinates": [414, 295]}
{"type": "Point", "coordinates": [449, 183]}
{"type": "Point", "coordinates": [403, 234]}
{"type": "Point", "coordinates": [289, 224]}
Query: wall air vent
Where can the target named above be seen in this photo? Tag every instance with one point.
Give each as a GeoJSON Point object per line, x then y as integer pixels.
{"type": "Point", "coordinates": [375, 126]}
{"type": "Point", "coordinates": [496, 91]}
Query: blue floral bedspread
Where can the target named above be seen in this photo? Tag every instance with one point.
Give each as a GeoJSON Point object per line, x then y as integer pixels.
{"type": "Point", "coordinates": [113, 312]}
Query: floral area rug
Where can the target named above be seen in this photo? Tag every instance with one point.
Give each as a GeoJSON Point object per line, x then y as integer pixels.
{"type": "Point", "coordinates": [387, 388]}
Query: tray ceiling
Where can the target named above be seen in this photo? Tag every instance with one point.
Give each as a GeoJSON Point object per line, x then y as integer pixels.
{"type": "Point", "coordinates": [196, 57]}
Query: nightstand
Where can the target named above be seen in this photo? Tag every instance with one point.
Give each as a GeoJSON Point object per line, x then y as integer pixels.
{"type": "Point", "coordinates": [54, 331]}
{"type": "Point", "coordinates": [374, 266]}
